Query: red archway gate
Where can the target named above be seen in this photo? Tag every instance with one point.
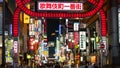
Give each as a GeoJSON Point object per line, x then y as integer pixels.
{"type": "Point", "coordinates": [22, 7]}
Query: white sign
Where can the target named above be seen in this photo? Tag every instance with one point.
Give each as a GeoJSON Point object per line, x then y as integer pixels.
{"type": "Point", "coordinates": [76, 26]}
{"type": "Point", "coordinates": [82, 40]}
{"type": "Point", "coordinates": [39, 26]}
{"type": "Point", "coordinates": [31, 29]}
{"type": "Point", "coordinates": [15, 46]}
{"type": "Point", "coordinates": [59, 6]}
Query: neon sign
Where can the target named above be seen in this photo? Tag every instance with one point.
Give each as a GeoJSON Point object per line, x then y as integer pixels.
{"type": "Point", "coordinates": [15, 46]}
{"type": "Point", "coordinates": [59, 6]}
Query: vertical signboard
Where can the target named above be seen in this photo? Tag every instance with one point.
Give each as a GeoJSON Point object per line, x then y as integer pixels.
{"type": "Point", "coordinates": [76, 26]}
{"type": "Point", "coordinates": [82, 40]}
{"type": "Point", "coordinates": [15, 46]}
{"type": "Point", "coordinates": [26, 17]}
{"type": "Point", "coordinates": [31, 27]}
{"type": "Point", "coordinates": [1, 17]}
{"type": "Point", "coordinates": [70, 40]}
{"type": "Point", "coordinates": [76, 38]}
{"type": "Point", "coordinates": [39, 26]}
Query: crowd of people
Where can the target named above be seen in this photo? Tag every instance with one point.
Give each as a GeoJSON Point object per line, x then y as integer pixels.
{"type": "Point", "coordinates": [66, 65]}
{"type": "Point", "coordinates": [55, 64]}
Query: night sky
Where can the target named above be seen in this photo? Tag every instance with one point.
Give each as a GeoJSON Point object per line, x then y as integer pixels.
{"type": "Point", "coordinates": [52, 26]}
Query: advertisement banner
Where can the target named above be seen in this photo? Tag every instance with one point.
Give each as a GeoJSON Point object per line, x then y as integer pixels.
{"type": "Point", "coordinates": [83, 40]}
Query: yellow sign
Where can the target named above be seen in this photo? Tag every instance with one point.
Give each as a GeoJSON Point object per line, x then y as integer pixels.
{"type": "Point", "coordinates": [93, 59]}
{"type": "Point", "coordinates": [25, 16]}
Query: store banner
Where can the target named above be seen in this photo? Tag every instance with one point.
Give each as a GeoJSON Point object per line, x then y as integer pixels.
{"type": "Point", "coordinates": [83, 40]}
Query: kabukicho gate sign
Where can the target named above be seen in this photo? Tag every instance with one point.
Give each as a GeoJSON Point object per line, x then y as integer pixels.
{"type": "Point", "coordinates": [55, 14]}
{"type": "Point", "coordinates": [60, 6]}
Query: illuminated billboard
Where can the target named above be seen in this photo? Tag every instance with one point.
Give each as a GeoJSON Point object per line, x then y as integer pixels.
{"type": "Point", "coordinates": [82, 40]}
{"type": "Point", "coordinates": [59, 6]}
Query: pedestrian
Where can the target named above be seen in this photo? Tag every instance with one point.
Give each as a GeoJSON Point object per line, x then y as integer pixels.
{"type": "Point", "coordinates": [65, 64]}
{"type": "Point", "coordinates": [57, 65]}
{"type": "Point", "coordinates": [91, 65]}
{"type": "Point", "coordinates": [83, 65]}
{"type": "Point", "coordinates": [24, 65]}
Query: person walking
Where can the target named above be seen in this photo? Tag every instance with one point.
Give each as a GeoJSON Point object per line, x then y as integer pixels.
{"type": "Point", "coordinates": [57, 65]}
{"type": "Point", "coordinates": [65, 64]}
{"type": "Point", "coordinates": [91, 65]}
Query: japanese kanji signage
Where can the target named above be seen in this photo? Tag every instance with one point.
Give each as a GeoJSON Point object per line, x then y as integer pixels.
{"type": "Point", "coordinates": [82, 40]}
{"type": "Point", "coordinates": [15, 46]}
{"type": "Point", "coordinates": [59, 6]}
